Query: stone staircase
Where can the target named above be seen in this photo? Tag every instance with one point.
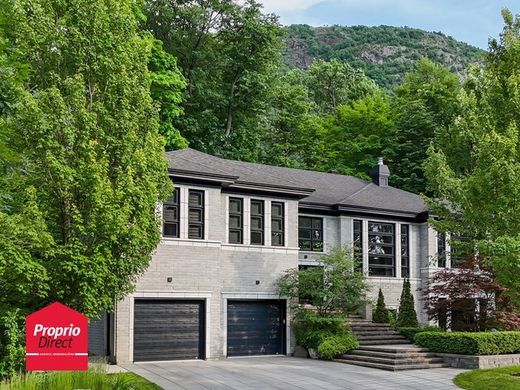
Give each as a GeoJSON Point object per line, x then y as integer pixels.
{"type": "Point", "coordinates": [380, 346]}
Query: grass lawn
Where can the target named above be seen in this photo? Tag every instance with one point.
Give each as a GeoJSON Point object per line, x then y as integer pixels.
{"type": "Point", "coordinates": [90, 380]}
{"type": "Point", "coordinates": [504, 378]}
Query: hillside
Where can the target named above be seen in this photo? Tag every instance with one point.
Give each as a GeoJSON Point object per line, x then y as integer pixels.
{"type": "Point", "coordinates": [385, 53]}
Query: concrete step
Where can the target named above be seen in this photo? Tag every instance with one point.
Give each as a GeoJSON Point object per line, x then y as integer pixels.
{"type": "Point", "coordinates": [369, 327]}
{"type": "Point", "coordinates": [380, 337]}
{"type": "Point", "coordinates": [383, 342]}
{"type": "Point", "coordinates": [392, 355]}
{"type": "Point", "coordinates": [391, 367]}
{"type": "Point", "coordinates": [376, 333]}
{"type": "Point", "coordinates": [402, 348]}
{"type": "Point", "coordinates": [393, 361]}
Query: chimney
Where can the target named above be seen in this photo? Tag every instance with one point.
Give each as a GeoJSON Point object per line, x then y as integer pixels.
{"type": "Point", "coordinates": [380, 173]}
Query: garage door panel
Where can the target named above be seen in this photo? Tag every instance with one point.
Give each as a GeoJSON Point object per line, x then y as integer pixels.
{"type": "Point", "coordinates": [255, 328]}
{"type": "Point", "coordinates": [168, 330]}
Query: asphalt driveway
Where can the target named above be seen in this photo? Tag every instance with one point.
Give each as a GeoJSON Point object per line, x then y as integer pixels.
{"type": "Point", "coordinates": [287, 373]}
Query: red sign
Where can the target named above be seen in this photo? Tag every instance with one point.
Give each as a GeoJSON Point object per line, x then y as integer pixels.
{"type": "Point", "coordinates": [56, 339]}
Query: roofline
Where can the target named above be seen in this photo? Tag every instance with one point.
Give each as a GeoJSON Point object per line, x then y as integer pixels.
{"type": "Point", "coordinates": [203, 176]}
{"type": "Point", "coordinates": [338, 208]}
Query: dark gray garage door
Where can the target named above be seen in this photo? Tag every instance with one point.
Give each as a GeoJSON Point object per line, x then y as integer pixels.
{"type": "Point", "coordinates": [255, 328]}
{"type": "Point", "coordinates": [168, 329]}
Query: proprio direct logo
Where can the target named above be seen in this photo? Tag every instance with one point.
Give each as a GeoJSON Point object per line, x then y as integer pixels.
{"type": "Point", "coordinates": [56, 339]}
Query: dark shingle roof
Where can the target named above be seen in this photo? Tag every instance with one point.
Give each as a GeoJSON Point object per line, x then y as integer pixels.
{"type": "Point", "coordinates": [330, 189]}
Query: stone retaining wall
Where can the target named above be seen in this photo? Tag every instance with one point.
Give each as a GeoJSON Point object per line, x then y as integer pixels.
{"type": "Point", "coordinates": [485, 361]}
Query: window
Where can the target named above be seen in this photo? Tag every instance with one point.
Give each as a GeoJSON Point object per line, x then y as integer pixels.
{"type": "Point", "coordinates": [441, 250]}
{"type": "Point", "coordinates": [257, 222]}
{"type": "Point", "coordinates": [171, 215]}
{"type": "Point", "coordinates": [310, 234]}
{"type": "Point", "coordinates": [277, 224]}
{"type": "Point", "coordinates": [358, 244]}
{"type": "Point", "coordinates": [236, 220]}
{"type": "Point", "coordinates": [381, 249]}
{"type": "Point", "coordinates": [196, 215]}
{"type": "Point", "coordinates": [405, 251]}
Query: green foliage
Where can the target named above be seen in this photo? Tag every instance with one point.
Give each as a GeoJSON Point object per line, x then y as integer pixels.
{"type": "Point", "coordinates": [333, 346]}
{"type": "Point", "coordinates": [77, 221]}
{"type": "Point", "coordinates": [229, 54]}
{"type": "Point", "coordinates": [407, 317]}
{"type": "Point", "coordinates": [411, 332]}
{"type": "Point", "coordinates": [481, 343]}
{"type": "Point", "coordinates": [328, 334]}
{"type": "Point", "coordinates": [12, 352]}
{"type": "Point", "coordinates": [334, 289]}
{"type": "Point", "coordinates": [473, 167]}
{"type": "Point", "coordinates": [384, 53]}
{"type": "Point", "coordinates": [503, 378]}
{"type": "Point", "coordinates": [380, 314]}
{"type": "Point", "coordinates": [78, 380]}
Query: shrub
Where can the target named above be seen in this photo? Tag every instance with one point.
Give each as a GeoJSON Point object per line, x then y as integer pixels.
{"type": "Point", "coordinates": [333, 346]}
{"type": "Point", "coordinates": [328, 334]}
{"type": "Point", "coordinates": [481, 343]}
{"type": "Point", "coordinates": [410, 332]}
{"type": "Point", "coordinates": [407, 315]}
{"type": "Point", "coordinates": [380, 314]}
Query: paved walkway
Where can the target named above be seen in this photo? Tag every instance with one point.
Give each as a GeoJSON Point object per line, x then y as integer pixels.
{"type": "Point", "coordinates": [286, 373]}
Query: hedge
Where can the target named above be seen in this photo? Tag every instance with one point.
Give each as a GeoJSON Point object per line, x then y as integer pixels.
{"type": "Point", "coordinates": [410, 332]}
{"type": "Point", "coordinates": [465, 343]}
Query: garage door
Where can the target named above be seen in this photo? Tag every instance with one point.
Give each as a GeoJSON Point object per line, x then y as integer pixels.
{"type": "Point", "coordinates": [168, 330]}
{"type": "Point", "coordinates": [255, 328]}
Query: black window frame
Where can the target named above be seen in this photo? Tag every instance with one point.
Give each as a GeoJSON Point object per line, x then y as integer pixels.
{"type": "Point", "coordinates": [373, 258]}
{"type": "Point", "coordinates": [311, 230]}
{"type": "Point", "coordinates": [441, 250]}
{"type": "Point", "coordinates": [357, 243]}
{"type": "Point", "coordinates": [258, 217]}
{"type": "Point", "coordinates": [281, 219]}
{"type": "Point", "coordinates": [405, 255]}
{"type": "Point", "coordinates": [236, 214]}
{"type": "Point", "coordinates": [198, 207]}
{"type": "Point", "coordinates": [173, 203]}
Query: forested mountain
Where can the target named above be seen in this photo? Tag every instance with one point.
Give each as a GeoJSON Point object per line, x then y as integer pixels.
{"type": "Point", "coordinates": [385, 53]}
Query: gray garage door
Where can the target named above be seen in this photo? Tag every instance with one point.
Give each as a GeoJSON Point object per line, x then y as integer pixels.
{"type": "Point", "coordinates": [168, 329]}
{"type": "Point", "coordinates": [255, 327]}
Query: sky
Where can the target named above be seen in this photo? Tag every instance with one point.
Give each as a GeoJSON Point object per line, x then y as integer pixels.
{"type": "Point", "coordinates": [471, 21]}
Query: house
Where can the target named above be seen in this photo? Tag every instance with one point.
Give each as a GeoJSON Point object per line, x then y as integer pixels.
{"type": "Point", "coordinates": [232, 228]}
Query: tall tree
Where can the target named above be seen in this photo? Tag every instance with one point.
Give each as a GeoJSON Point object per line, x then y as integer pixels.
{"type": "Point", "coordinates": [78, 200]}
{"type": "Point", "coordinates": [228, 52]}
{"type": "Point", "coordinates": [473, 171]}
{"type": "Point", "coordinates": [425, 105]}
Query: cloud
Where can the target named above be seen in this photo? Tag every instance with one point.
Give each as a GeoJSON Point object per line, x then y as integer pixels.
{"type": "Point", "coordinates": [281, 6]}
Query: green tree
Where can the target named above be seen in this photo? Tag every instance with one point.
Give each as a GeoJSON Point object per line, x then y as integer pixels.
{"type": "Point", "coordinates": [77, 220]}
{"type": "Point", "coordinates": [425, 105]}
{"type": "Point", "coordinates": [407, 315]}
{"type": "Point", "coordinates": [381, 313]}
{"type": "Point", "coordinates": [336, 288]}
{"type": "Point", "coordinates": [473, 171]}
{"type": "Point", "coordinates": [228, 53]}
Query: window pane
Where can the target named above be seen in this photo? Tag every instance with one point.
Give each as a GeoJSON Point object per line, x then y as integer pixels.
{"type": "Point", "coordinates": [257, 238]}
{"type": "Point", "coordinates": [316, 223]}
{"type": "Point", "coordinates": [316, 235]}
{"type": "Point", "coordinates": [305, 245]}
{"type": "Point", "coordinates": [276, 209]}
{"type": "Point", "coordinates": [257, 207]}
{"type": "Point", "coordinates": [304, 234]}
{"type": "Point", "coordinates": [276, 239]}
{"type": "Point", "coordinates": [317, 246]}
{"type": "Point", "coordinates": [170, 229]}
{"type": "Point", "coordinates": [304, 222]}
{"type": "Point", "coordinates": [170, 213]}
{"type": "Point", "coordinates": [195, 215]}
{"type": "Point", "coordinates": [256, 223]}
{"type": "Point", "coordinates": [277, 225]}
{"type": "Point", "coordinates": [195, 198]}
{"type": "Point", "coordinates": [235, 236]}
{"type": "Point", "coordinates": [235, 205]}
{"type": "Point", "coordinates": [195, 231]}
{"type": "Point", "coordinates": [235, 221]}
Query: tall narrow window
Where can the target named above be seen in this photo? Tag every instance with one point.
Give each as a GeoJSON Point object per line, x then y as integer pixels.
{"type": "Point", "coordinates": [257, 222]}
{"type": "Point", "coordinates": [405, 251]}
{"type": "Point", "coordinates": [358, 244]}
{"type": "Point", "coordinates": [441, 250]}
{"type": "Point", "coordinates": [310, 234]}
{"type": "Point", "coordinates": [381, 249]}
{"type": "Point", "coordinates": [196, 215]}
{"type": "Point", "coordinates": [277, 224]}
{"type": "Point", "coordinates": [171, 215]}
{"type": "Point", "coordinates": [236, 220]}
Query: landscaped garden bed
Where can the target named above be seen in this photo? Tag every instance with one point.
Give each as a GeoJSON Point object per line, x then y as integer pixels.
{"type": "Point", "coordinates": [505, 378]}
{"type": "Point", "coordinates": [473, 350]}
